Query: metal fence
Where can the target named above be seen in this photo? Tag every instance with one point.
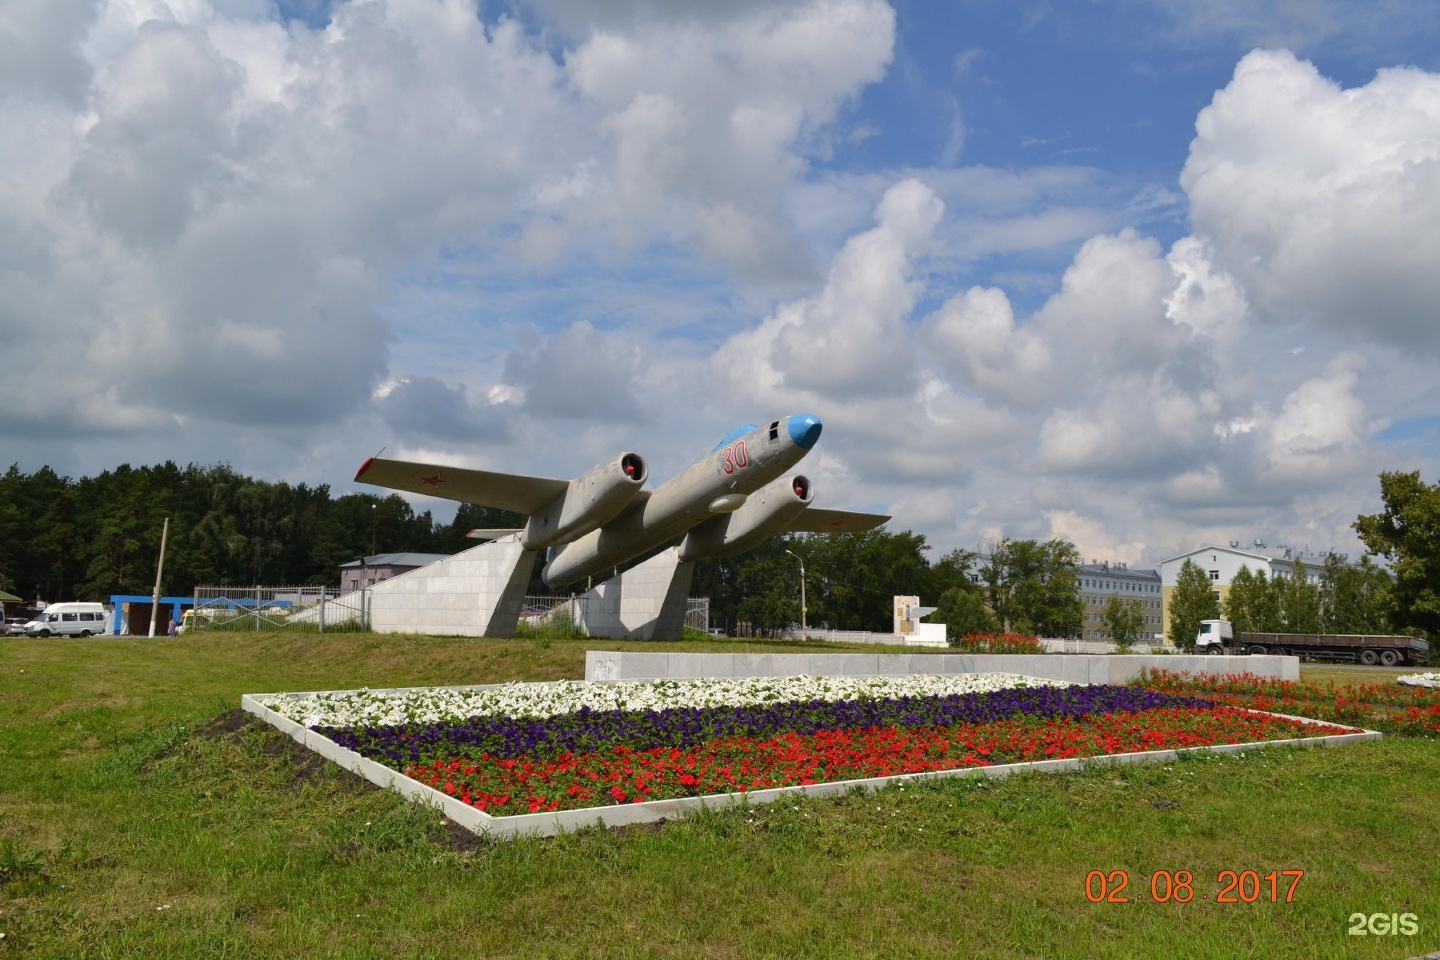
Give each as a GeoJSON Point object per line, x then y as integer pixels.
{"type": "Point", "coordinates": [318, 609]}
{"type": "Point", "coordinates": [697, 613]}
{"type": "Point", "coordinates": [306, 608]}
{"type": "Point", "coordinates": [561, 616]}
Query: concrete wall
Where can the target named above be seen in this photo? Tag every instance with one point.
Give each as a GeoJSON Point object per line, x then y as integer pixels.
{"type": "Point", "coordinates": [1058, 645]}
{"type": "Point", "coordinates": [1077, 668]}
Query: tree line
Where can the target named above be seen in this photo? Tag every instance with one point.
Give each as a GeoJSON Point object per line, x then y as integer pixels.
{"type": "Point", "coordinates": [64, 539]}
{"type": "Point", "coordinates": [86, 539]}
{"type": "Point", "coordinates": [851, 580]}
{"type": "Point", "coordinates": [94, 537]}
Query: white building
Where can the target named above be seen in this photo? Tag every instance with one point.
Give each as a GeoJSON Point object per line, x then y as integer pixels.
{"type": "Point", "coordinates": [1222, 563]}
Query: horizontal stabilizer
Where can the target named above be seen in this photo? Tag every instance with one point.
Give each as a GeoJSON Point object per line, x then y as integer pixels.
{"type": "Point", "coordinates": [821, 520]}
{"type": "Point", "coordinates": [500, 491]}
{"type": "Point", "coordinates": [494, 533]}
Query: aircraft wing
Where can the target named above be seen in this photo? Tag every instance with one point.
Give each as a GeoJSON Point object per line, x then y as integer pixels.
{"type": "Point", "coordinates": [821, 520]}
{"type": "Point", "coordinates": [502, 491]}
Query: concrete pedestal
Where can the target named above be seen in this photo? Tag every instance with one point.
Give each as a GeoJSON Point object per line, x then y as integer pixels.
{"type": "Point", "coordinates": [476, 593]}
{"type": "Point", "coordinates": [646, 602]}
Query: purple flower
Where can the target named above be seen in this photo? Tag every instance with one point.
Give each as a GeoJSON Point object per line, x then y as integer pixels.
{"type": "Point", "coordinates": [590, 731]}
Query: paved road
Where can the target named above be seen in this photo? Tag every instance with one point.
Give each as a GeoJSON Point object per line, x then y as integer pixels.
{"type": "Point", "coordinates": [1361, 668]}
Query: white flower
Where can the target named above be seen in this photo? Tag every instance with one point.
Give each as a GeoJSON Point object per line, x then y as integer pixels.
{"type": "Point", "coordinates": [374, 708]}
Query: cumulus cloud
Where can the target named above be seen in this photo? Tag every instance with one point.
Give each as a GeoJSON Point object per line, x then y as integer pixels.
{"type": "Point", "coordinates": [424, 408]}
{"type": "Point", "coordinates": [212, 210]}
{"type": "Point", "coordinates": [1322, 201]}
{"type": "Point", "coordinates": [708, 116]}
{"type": "Point", "coordinates": [216, 203]}
{"type": "Point", "coordinates": [578, 374]}
{"type": "Point", "coordinates": [223, 219]}
{"type": "Point", "coordinates": [974, 334]}
{"type": "Point", "coordinates": [850, 338]}
{"type": "Point", "coordinates": [1321, 429]}
{"type": "Point", "coordinates": [40, 50]}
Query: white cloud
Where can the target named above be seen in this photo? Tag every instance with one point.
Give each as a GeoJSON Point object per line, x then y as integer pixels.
{"type": "Point", "coordinates": [425, 409]}
{"type": "Point", "coordinates": [850, 338]}
{"type": "Point", "coordinates": [1321, 430]}
{"type": "Point", "coordinates": [975, 336]}
{"type": "Point", "coordinates": [39, 50]}
{"type": "Point", "coordinates": [709, 117]}
{"type": "Point", "coordinates": [215, 210]}
{"type": "Point", "coordinates": [1323, 201]}
{"type": "Point", "coordinates": [578, 374]}
{"type": "Point", "coordinates": [1206, 299]}
{"type": "Point", "coordinates": [235, 196]}
{"type": "Point", "coordinates": [1099, 542]}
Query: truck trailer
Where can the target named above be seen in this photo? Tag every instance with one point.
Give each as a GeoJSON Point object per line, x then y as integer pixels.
{"type": "Point", "coordinates": [1219, 636]}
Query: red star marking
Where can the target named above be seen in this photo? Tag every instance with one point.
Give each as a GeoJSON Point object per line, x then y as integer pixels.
{"type": "Point", "coordinates": [837, 522]}
{"type": "Point", "coordinates": [434, 481]}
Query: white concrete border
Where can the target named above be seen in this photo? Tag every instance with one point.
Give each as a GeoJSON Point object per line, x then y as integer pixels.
{"type": "Point", "coordinates": [1075, 668]}
{"type": "Point", "coordinates": [553, 823]}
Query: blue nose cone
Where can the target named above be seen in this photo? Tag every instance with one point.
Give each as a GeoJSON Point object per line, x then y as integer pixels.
{"type": "Point", "coordinates": [804, 430]}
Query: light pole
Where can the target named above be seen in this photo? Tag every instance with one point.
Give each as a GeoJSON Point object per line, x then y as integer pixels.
{"type": "Point", "coordinates": [804, 628]}
{"type": "Point", "coordinates": [372, 529]}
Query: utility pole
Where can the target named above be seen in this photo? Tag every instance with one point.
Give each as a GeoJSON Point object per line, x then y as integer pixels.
{"type": "Point", "coordinates": [159, 568]}
{"type": "Point", "coordinates": [804, 628]}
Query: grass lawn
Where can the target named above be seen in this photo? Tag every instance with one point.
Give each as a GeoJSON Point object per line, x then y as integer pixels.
{"type": "Point", "coordinates": [138, 818]}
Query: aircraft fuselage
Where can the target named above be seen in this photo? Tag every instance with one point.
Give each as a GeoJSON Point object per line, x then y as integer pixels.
{"type": "Point", "coordinates": [718, 483]}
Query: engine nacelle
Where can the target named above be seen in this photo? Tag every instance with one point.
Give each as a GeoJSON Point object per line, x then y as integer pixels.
{"type": "Point", "coordinates": [765, 513]}
{"type": "Point", "coordinates": [592, 500]}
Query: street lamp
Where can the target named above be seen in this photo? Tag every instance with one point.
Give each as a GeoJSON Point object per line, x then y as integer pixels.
{"type": "Point", "coordinates": [804, 629]}
{"type": "Point", "coordinates": [372, 529]}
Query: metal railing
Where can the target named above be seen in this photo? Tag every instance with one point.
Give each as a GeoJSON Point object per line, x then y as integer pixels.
{"type": "Point", "coordinates": [306, 608]}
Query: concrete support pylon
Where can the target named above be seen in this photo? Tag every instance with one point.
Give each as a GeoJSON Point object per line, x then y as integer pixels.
{"type": "Point", "coordinates": [646, 602]}
{"type": "Point", "coordinates": [476, 593]}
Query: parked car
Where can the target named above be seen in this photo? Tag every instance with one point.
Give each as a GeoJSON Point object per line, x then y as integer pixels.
{"type": "Point", "coordinates": [15, 626]}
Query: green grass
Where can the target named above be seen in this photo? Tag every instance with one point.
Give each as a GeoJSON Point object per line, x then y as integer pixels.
{"type": "Point", "coordinates": [133, 824]}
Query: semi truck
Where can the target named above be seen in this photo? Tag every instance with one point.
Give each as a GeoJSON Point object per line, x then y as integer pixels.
{"type": "Point", "coordinates": [1219, 636]}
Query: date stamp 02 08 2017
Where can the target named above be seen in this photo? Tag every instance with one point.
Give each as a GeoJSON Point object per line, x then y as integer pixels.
{"type": "Point", "coordinates": [1178, 886]}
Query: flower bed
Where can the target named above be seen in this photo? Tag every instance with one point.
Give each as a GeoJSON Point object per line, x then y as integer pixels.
{"type": "Point", "coordinates": [1389, 708]}
{"type": "Point", "coordinates": [621, 774]}
{"type": "Point", "coordinates": [998, 643]}
{"type": "Point", "coordinates": [536, 748]}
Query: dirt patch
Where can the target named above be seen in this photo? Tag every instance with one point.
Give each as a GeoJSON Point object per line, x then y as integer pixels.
{"type": "Point", "coordinates": [228, 723]}
{"type": "Point", "coordinates": [460, 840]}
{"type": "Point", "coordinates": [305, 766]}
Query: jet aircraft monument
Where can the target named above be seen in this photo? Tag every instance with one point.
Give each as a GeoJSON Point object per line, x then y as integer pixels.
{"type": "Point", "coordinates": [730, 500]}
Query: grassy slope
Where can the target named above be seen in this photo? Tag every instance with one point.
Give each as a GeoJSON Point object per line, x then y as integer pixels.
{"type": "Point", "coordinates": [112, 805]}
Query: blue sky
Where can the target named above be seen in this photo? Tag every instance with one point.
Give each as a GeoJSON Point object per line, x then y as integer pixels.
{"type": "Point", "coordinates": [1137, 274]}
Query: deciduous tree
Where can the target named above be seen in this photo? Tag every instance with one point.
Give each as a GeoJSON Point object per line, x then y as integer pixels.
{"type": "Point", "coordinates": [1355, 597]}
{"type": "Point", "coordinates": [1407, 534]}
{"type": "Point", "coordinates": [963, 611]}
{"type": "Point", "coordinates": [1124, 619]}
{"type": "Point", "coordinates": [1033, 587]}
{"type": "Point", "coordinates": [1192, 600]}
